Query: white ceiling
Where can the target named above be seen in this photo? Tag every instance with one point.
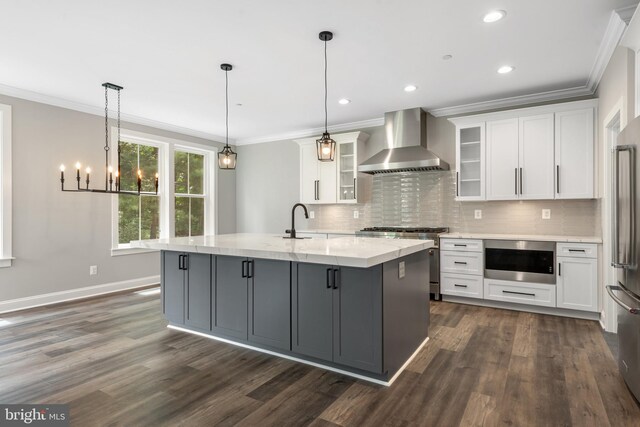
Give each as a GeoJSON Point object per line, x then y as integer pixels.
{"type": "Point", "coordinates": [166, 54]}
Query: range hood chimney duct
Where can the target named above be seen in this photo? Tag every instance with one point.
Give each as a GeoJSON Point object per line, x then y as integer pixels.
{"type": "Point", "coordinates": [406, 133]}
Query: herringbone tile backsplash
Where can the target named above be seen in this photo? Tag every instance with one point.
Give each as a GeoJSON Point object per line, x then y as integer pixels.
{"type": "Point", "coordinates": [428, 199]}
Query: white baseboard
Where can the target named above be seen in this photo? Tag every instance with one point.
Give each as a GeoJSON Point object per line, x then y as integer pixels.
{"type": "Point", "coordinates": [586, 315]}
{"type": "Point", "coordinates": [73, 294]}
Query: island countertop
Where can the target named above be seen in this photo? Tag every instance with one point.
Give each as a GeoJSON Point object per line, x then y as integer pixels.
{"type": "Point", "coordinates": [349, 251]}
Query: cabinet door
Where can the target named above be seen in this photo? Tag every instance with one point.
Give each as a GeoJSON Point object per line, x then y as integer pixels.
{"type": "Point", "coordinates": [347, 171]}
{"type": "Point", "coordinates": [577, 283]}
{"type": "Point", "coordinates": [574, 145]}
{"type": "Point", "coordinates": [502, 160]}
{"type": "Point", "coordinates": [269, 303]}
{"type": "Point", "coordinates": [327, 182]}
{"type": "Point", "coordinates": [357, 318]}
{"type": "Point", "coordinates": [172, 287]}
{"type": "Point", "coordinates": [198, 287]}
{"type": "Point", "coordinates": [470, 162]}
{"type": "Point", "coordinates": [308, 174]}
{"type": "Point", "coordinates": [535, 173]}
{"type": "Point", "coordinates": [312, 311]}
{"type": "Point", "coordinates": [230, 298]}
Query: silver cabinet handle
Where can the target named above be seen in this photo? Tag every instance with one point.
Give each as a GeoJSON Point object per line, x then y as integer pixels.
{"type": "Point", "coordinates": [612, 288]}
{"type": "Point", "coordinates": [615, 257]}
{"type": "Point", "coordinates": [558, 179]}
{"type": "Point", "coordinates": [520, 181]}
{"type": "Point", "coordinates": [516, 180]}
{"type": "Point", "coordinates": [519, 293]}
{"type": "Point", "coordinates": [459, 286]}
{"type": "Point", "coordinates": [355, 189]}
{"type": "Point", "coordinates": [460, 262]}
{"type": "Point", "coordinates": [457, 183]}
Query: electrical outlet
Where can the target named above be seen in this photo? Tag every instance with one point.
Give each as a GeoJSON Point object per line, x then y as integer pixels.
{"type": "Point", "coordinates": [356, 214]}
{"type": "Point", "coordinates": [93, 270]}
{"type": "Point", "coordinates": [477, 214]}
{"type": "Point", "coordinates": [401, 271]}
{"type": "Point", "coordinates": [312, 214]}
{"type": "Point", "coordinates": [546, 213]}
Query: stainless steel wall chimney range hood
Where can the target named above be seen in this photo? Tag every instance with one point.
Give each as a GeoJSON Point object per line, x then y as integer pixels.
{"type": "Point", "coordinates": [406, 132]}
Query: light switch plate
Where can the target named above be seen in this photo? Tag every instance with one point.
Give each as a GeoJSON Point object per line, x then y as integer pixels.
{"type": "Point", "coordinates": [401, 270]}
{"type": "Point", "coordinates": [356, 214]}
{"type": "Point", "coordinates": [312, 214]}
{"type": "Point", "coordinates": [546, 213]}
{"type": "Point", "coordinates": [477, 214]}
{"type": "Point", "coordinates": [93, 270]}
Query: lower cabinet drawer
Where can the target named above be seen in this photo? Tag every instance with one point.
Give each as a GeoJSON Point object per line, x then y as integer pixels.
{"type": "Point", "coordinates": [520, 292]}
{"type": "Point", "coordinates": [461, 262]}
{"type": "Point", "coordinates": [461, 285]}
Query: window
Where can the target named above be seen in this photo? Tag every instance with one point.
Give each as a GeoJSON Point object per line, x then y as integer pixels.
{"type": "Point", "coordinates": [138, 217]}
{"type": "Point", "coordinates": [5, 186]}
{"type": "Point", "coordinates": [190, 194]}
{"type": "Point", "coordinates": [184, 205]}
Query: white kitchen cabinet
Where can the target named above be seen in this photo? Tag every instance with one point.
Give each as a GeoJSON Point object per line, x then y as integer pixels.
{"type": "Point", "coordinates": [461, 267]}
{"type": "Point", "coordinates": [574, 154]}
{"type": "Point", "coordinates": [470, 162]}
{"type": "Point", "coordinates": [577, 277]}
{"type": "Point", "coordinates": [502, 159]}
{"type": "Point", "coordinates": [535, 147]}
{"type": "Point", "coordinates": [317, 179]}
{"type": "Point", "coordinates": [536, 153]}
{"type": "Point", "coordinates": [337, 181]}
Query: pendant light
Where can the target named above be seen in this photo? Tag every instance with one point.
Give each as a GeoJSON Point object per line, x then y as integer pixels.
{"type": "Point", "coordinates": [109, 179]}
{"type": "Point", "coordinates": [325, 145]}
{"type": "Point", "coordinates": [227, 157]}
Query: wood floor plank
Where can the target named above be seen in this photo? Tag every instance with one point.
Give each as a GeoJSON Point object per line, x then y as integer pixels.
{"type": "Point", "coordinates": [113, 360]}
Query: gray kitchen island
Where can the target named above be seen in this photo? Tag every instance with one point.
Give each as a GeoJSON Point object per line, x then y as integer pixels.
{"type": "Point", "coordinates": [355, 305]}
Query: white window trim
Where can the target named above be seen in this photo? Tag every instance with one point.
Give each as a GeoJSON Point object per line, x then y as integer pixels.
{"type": "Point", "coordinates": [5, 186]}
{"type": "Point", "coordinates": [166, 187]}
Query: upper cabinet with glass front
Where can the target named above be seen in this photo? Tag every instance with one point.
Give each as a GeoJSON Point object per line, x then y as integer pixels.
{"type": "Point", "coordinates": [337, 181]}
{"type": "Point", "coordinates": [470, 163]}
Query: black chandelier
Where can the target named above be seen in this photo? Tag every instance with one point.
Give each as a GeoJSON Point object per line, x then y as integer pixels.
{"type": "Point", "coordinates": [111, 185]}
{"type": "Point", "coordinates": [325, 145]}
{"type": "Point", "coordinates": [227, 158]}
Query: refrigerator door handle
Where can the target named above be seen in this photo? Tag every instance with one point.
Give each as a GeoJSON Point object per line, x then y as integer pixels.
{"type": "Point", "coordinates": [612, 288]}
{"type": "Point", "coordinates": [615, 182]}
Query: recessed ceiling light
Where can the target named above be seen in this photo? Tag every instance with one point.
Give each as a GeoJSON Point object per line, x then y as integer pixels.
{"type": "Point", "coordinates": [410, 88]}
{"type": "Point", "coordinates": [147, 292]}
{"type": "Point", "coordinates": [4, 322]}
{"type": "Point", "coordinates": [494, 16]}
{"type": "Point", "coordinates": [344, 101]}
{"type": "Point", "coordinates": [447, 57]}
{"type": "Point", "coordinates": [505, 69]}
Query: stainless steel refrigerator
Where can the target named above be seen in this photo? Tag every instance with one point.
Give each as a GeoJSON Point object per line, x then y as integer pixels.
{"type": "Point", "coordinates": [626, 252]}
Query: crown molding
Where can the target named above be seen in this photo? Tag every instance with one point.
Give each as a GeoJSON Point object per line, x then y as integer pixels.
{"type": "Point", "coordinates": [514, 101]}
{"type": "Point", "coordinates": [313, 132]}
{"type": "Point", "coordinates": [626, 12]}
{"type": "Point", "coordinates": [99, 111]}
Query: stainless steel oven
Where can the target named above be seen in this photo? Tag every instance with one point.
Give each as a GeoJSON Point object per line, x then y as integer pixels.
{"type": "Point", "coordinates": [520, 260]}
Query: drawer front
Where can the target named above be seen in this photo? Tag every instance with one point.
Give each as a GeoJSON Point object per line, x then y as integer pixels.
{"type": "Point", "coordinates": [461, 262]}
{"type": "Point", "coordinates": [577, 250]}
{"type": "Point", "coordinates": [463, 285]}
{"type": "Point", "coordinates": [520, 292]}
{"type": "Point", "coordinates": [461, 245]}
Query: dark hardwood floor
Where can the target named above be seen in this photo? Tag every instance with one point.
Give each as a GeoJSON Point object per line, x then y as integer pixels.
{"type": "Point", "coordinates": [114, 361]}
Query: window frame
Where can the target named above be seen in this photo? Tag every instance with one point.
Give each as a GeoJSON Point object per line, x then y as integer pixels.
{"type": "Point", "coordinates": [166, 184]}
{"type": "Point", "coordinates": [206, 196]}
{"type": "Point", "coordinates": [6, 257]}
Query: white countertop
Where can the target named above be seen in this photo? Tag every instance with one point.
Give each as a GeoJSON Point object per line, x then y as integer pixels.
{"type": "Point", "coordinates": [348, 251]}
{"type": "Point", "coordinates": [327, 231]}
{"type": "Point", "coordinates": [532, 237]}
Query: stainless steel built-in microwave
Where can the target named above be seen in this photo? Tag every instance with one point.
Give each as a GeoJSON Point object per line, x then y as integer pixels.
{"type": "Point", "coordinates": [520, 260]}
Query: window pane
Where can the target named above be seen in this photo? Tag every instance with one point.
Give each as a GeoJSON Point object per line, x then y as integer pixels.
{"type": "Point", "coordinates": [182, 216]}
{"type": "Point", "coordinates": [196, 173]}
{"type": "Point", "coordinates": [149, 217]}
{"type": "Point", "coordinates": [128, 166]}
{"type": "Point", "coordinates": [148, 166]}
{"type": "Point", "coordinates": [181, 171]}
{"type": "Point", "coordinates": [128, 219]}
{"type": "Point", "coordinates": [197, 216]}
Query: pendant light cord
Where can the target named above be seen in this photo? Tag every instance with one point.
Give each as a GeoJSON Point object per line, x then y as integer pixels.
{"type": "Point", "coordinates": [325, 86]}
{"type": "Point", "coordinates": [226, 91]}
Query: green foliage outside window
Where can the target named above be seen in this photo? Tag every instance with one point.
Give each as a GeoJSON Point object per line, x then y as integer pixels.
{"type": "Point", "coordinates": [189, 189]}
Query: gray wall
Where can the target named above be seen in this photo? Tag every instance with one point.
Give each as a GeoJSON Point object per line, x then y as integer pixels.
{"type": "Point", "coordinates": [56, 235]}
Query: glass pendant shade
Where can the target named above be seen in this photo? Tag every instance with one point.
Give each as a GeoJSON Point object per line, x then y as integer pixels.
{"type": "Point", "coordinates": [227, 158]}
{"type": "Point", "coordinates": [326, 148]}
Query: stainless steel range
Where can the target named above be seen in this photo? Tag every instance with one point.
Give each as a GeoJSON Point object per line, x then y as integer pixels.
{"type": "Point", "coordinates": [422, 233]}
